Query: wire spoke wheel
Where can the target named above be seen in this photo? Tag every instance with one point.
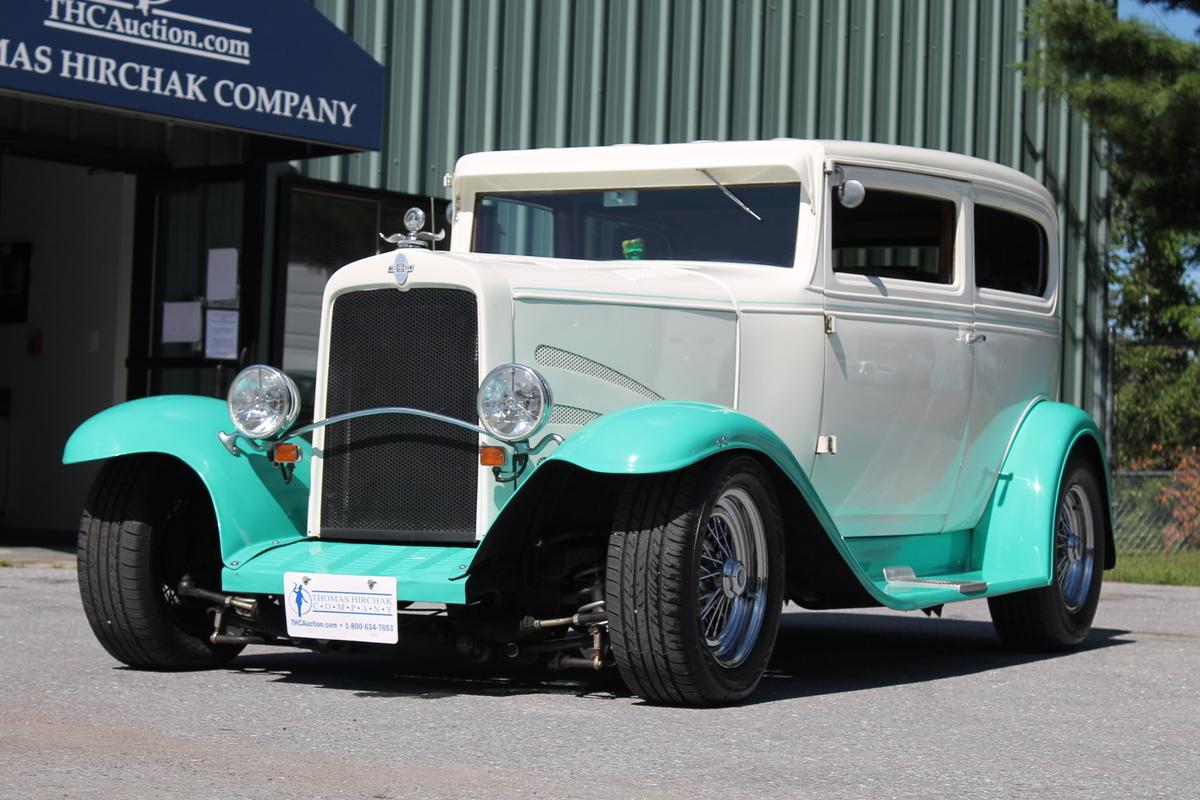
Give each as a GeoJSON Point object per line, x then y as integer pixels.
{"type": "Point", "coordinates": [694, 582]}
{"type": "Point", "coordinates": [1074, 548]}
{"type": "Point", "coordinates": [732, 585]}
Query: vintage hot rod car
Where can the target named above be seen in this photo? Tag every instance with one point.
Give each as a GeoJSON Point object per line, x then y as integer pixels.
{"type": "Point", "coordinates": [649, 393]}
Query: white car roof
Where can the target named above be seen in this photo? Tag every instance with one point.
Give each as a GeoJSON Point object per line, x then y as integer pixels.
{"type": "Point", "coordinates": [794, 156]}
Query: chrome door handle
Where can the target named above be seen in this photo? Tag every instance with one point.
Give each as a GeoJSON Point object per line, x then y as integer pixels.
{"type": "Point", "coordinates": [974, 338]}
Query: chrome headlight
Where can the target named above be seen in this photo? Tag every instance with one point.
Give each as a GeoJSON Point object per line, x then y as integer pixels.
{"type": "Point", "coordinates": [263, 402]}
{"type": "Point", "coordinates": [514, 402]}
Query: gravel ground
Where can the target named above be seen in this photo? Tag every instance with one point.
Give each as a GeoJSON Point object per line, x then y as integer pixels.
{"type": "Point", "coordinates": [857, 704]}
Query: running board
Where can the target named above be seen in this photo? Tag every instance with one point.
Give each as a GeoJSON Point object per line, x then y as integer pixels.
{"type": "Point", "coordinates": [904, 576]}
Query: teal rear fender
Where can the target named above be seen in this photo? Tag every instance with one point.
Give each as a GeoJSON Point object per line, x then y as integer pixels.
{"type": "Point", "coordinates": [1014, 540]}
{"type": "Point", "coordinates": [255, 509]}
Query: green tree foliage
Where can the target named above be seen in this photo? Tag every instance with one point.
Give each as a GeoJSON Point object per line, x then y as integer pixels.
{"type": "Point", "coordinates": [1157, 414]}
{"type": "Point", "coordinates": [1150, 269]}
{"type": "Point", "coordinates": [1140, 89]}
{"type": "Point", "coordinates": [1157, 392]}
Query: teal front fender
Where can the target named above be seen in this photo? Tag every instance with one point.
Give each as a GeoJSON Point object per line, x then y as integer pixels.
{"type": "Point", "coordinates": [255, 509]}
{"type": "Point", "coordinates": [666, 436]}
{"type": "Point", "coordinates": [671, 435]}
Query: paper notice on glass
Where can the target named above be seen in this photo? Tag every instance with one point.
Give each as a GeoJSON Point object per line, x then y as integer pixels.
{"type": "Point", "coordinates": [221, 334]}
{"type": "Point", "coordinates": [222, 274]}
{"type": "Point", "coordinates": [181, 322]}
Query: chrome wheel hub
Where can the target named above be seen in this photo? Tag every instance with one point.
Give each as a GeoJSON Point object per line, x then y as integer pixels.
{"type": "Point", "coordinates": [1074, 548]}
{"type": "Point", "coordinates": [731, 586]}
{"type": "Point", "coordinates": [733, 578]}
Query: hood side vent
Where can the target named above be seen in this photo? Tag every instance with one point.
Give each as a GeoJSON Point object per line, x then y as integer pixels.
{"type": "Point", "coordinates": [571, 415]}
{"type": "Point", "coordinates": [547, 356]}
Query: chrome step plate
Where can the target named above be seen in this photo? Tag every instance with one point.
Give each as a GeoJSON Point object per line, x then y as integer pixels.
{"type": "Point", "coordinates": [904, 576]}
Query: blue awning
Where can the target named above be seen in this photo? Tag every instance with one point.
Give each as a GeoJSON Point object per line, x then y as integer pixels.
{"type": "Point", "coordinates": [278, 68]}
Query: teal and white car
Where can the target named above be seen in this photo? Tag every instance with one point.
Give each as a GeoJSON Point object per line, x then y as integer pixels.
{"type": "Point", "coordinates": [647, 396]}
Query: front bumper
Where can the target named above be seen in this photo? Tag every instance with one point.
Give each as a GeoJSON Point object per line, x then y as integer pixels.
{"type": "Point", "coordinates": [424, 574]}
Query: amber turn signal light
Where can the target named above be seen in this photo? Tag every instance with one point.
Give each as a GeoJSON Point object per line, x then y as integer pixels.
{"type": "Point", "coordinates": [285, 453]}
{"type": "Point", "coordinates": [492, 456]}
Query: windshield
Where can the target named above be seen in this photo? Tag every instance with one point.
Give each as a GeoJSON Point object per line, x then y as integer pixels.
{"type": "Point", "coordinates": [690, 223]}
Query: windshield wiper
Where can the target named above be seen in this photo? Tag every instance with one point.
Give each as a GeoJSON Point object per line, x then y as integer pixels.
{"type": "Point", "coordinates": [728, 193]}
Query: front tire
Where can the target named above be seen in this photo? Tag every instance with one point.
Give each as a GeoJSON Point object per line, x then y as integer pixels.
{"type": "Point", "coordinates": [694, 582]}
{"type": "Point", "coordinates": [1059, 616]}
{"type": "Point", "coordinates": [147, 523]}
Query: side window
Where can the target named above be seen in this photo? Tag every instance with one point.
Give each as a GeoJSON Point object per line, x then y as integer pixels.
{"type": "Point", "coordinates": [1010, 252]}
{"type": "Point", "coordinates": [895, 235]}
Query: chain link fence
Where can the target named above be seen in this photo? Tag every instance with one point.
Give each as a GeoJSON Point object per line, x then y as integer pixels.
{"type": "Point", "coordinates": [1155, 511]}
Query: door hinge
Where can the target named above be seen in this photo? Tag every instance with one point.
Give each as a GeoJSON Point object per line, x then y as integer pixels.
{"type": "Point", "coordinates": [827, 445]}
{"type": "Point", "coordinates": [830, 324]}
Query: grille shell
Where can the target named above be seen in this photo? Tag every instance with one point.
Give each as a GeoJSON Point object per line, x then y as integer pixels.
{"type": "Point", "coordinates": [398, 477]}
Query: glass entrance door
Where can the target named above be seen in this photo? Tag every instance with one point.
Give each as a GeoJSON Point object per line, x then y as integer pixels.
{"type": "Point", "coordinates": [197, 274]}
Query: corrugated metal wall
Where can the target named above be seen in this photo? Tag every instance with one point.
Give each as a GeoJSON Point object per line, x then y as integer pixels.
{"type": "Point", "coordinates": [464, 76]}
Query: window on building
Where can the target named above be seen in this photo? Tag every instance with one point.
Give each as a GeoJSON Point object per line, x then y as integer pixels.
{"type": "Point", "coordinates": [1010, 252]}
{"type": "Point", "coordinates": [895, 235]}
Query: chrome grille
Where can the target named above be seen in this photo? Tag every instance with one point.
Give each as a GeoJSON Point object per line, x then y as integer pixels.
{"type": "Point", "coordinates": [399, 477]}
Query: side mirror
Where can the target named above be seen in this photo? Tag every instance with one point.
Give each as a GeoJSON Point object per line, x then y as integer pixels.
{"type": "Point", "coordinates": [851, 193]}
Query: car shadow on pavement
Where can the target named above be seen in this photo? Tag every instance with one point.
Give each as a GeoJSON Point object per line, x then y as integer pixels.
{"type": "Point", "coordinates": [817, 653]}
{"type": "Point", "coordinates": [821, 653]}
{"type": "Point", "coordinates": [383, 676]}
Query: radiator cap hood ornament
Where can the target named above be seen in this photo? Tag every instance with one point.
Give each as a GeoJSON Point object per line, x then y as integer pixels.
{"type": "Point", "coordinates": [414, 221]}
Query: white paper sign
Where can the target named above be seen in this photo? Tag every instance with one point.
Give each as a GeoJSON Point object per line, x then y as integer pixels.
{"type": "Point", "coordinates": [221, 334]}
{"type": "Point", "coordinates": [181, 322]}
{"type": "Point", "coordinates": [222, 274]}
{"type": "Point", "coordinates": [355, 608]}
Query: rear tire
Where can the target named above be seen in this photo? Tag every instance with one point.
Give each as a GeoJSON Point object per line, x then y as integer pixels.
{"type": "Point", "coordinates": [1059, 616]}
{"type": "Point", "coordinates": [694, 582]}
{"type": "Point", "coordinates": [148, 522]}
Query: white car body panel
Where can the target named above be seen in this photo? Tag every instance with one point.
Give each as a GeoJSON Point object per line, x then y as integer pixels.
{"type": "Point", "coordinates": [922, 417]}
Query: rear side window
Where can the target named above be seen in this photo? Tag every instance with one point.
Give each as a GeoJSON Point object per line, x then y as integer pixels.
{"type": "Point", "coordinates": [1010, 252]}
{"type": "Point", "coordinates": [895, 235]}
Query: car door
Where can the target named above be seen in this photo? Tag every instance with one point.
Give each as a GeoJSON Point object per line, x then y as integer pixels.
{"type": "Point", "coordinates": [1017, 333]}
{"type": "Point", "coordinates": [898, 363]}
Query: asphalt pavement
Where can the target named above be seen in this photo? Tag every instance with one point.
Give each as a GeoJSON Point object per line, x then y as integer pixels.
{"type": "Point", "coordinates": [871, 704]}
